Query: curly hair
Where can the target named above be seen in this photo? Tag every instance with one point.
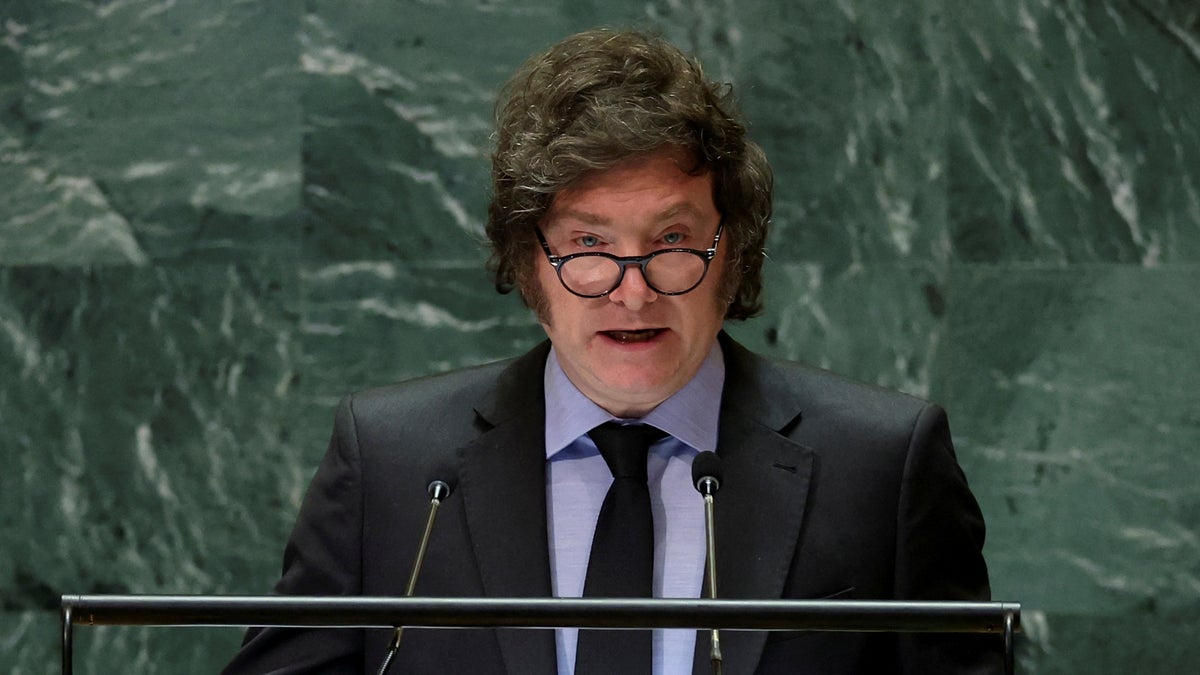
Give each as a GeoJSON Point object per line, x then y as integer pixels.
{"type": "Point", "coordinates": [600, 97]}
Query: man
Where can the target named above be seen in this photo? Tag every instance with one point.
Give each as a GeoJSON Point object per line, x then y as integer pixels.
{"type": "Point", "coordinates": [630, 211]}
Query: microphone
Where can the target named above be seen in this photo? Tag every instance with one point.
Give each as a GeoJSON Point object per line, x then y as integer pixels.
{"type": "Point", "coordinates": [438, 490]}
{"type": "Point", "coordinates": [707, 473]}
{"type": "Point", "coordinates": [706, 476]}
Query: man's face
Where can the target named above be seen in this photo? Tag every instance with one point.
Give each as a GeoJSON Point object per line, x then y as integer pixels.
{"type": "Point", "coordinates": [634, 348]}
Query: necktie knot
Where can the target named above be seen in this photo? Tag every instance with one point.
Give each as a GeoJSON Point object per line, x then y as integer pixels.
{"type": "Point", "coordinates": [624, 447]}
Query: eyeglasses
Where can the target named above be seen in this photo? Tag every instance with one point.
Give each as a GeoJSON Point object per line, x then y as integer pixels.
{"type": "Point", "coordinates": [668, 271]}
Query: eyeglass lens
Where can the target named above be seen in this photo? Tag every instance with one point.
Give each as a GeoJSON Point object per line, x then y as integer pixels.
{"type": "Point", "coordinates": [666, 272]}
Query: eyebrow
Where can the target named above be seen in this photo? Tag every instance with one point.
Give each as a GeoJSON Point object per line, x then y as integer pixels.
{"type": "Point", "coordinates": [584, 216]}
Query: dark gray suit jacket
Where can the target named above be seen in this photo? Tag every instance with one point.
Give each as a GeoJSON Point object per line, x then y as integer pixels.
{"type": "Point", "coordinates": [832, 489]}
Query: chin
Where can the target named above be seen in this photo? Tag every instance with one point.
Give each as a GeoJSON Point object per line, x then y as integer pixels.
{"type": "Point", "coordinates": [640, 390]}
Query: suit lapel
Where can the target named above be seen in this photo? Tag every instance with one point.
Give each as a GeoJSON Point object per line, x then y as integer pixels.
{"type": "Point", "coordinates": [502, 478]}
{"type": "Point", "coordinates": [760, 507]}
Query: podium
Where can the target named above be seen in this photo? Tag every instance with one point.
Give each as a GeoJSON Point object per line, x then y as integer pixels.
{"type": "Point", "coordinates": [999, 618]}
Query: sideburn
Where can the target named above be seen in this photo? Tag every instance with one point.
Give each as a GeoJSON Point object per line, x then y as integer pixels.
{"type": "Point", "coordinates": [532, 293]}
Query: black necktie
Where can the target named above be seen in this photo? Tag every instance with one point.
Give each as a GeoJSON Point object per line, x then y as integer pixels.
{"type": "Point", "coordinates": [621, 564]}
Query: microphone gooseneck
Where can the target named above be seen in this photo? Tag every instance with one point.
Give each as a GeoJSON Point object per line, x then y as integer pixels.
{"type": "Point", "coordinates": [707, 473]}
{"type": "Point", "coordinates": [438, 491]}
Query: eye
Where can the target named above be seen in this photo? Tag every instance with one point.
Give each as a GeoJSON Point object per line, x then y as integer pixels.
{"type": "Point", "coordinates": [589, 241]}
{"type": "Point", "coordinates": [673, 238]}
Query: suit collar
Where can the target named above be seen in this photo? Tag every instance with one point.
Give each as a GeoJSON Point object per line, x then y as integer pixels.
{"type": "Point", "coordinates": [754, 390]}
{"type": "Point", "coordinates": [518, 391]}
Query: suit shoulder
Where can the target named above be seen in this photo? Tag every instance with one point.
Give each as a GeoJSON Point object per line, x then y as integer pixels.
{"type": "Point", "coordinates": [818, 394]}
{"type": "Point", "coordinates": [829, 388]}
{"type": "Point", "coordinates": [454, 399]}
{"type": "Point", "coordinates": [452, 390]}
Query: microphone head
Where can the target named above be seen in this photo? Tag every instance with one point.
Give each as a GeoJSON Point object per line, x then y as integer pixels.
{"type": "Point", "coordinates": [707, 473]}
{"type": "Point", "coordinates": [442, 482]}
{"type": "Point", "coordinates": [438, 489]}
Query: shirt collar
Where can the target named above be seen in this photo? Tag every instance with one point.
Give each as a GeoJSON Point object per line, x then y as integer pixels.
{"type": "Point", "coordinates": [690, 414]}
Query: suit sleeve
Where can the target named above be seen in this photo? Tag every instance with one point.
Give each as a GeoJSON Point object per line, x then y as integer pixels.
{"type": "Point", "coordinates": [323, 557]}
{"type": "Point", "coordinates": [939, 551]}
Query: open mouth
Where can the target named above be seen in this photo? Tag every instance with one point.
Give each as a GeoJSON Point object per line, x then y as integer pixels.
{"type": "Point", "coordinates": [632, 336]}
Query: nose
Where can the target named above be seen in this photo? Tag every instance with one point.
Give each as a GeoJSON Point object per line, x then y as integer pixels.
{"type": "Point", "coordinates": [633, 291]}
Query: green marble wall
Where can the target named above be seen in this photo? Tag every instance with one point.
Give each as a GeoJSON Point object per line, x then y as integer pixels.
{"type": "Point", "coordinates": [217, 217]}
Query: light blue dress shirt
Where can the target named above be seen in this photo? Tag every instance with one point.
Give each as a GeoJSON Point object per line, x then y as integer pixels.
{"type": "Point", "coordinates": [577, 480]}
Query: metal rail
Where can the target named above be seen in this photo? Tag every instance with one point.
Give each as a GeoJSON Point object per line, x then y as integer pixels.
{"type": "Point", "coordinates": [1000, 618]}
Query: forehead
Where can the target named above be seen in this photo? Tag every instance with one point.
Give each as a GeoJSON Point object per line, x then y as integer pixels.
{"type": "Point", "coordinates": [656, 185]}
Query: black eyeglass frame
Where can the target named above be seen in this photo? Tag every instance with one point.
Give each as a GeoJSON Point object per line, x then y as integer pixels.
{"type": "Point", "coordinates": [556, 261]}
